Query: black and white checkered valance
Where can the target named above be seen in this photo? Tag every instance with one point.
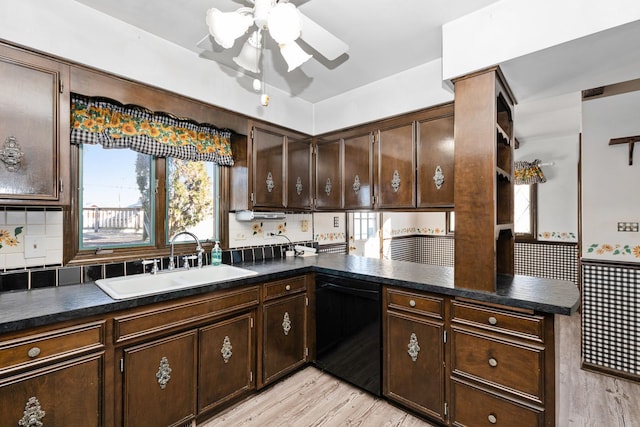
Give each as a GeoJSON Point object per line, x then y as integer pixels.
{"type": "Point", "coordinates": [106, 122]}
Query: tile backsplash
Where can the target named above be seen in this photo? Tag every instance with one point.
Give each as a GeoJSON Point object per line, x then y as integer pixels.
{"type": "Point", "coordinates": [30, 237]}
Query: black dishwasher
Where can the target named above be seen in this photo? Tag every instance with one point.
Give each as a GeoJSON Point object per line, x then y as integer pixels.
{"type": "Point", "coordinates": [348, 330]}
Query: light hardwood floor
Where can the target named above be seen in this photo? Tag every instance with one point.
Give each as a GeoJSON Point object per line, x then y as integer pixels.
{"type": "Point", "coordinates": [313, 398]}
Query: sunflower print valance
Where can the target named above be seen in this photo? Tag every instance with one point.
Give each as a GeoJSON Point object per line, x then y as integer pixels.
{"type": "Point", "coordinates": [113, 125]}
{"type": "Point", "coordinates": [528, 173]}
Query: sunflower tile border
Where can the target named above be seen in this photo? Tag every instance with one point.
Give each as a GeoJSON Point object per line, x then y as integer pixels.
{"type": "Point", "coordinates": [9, 240]}
{"type": "Point", "coordinates": [614, 249]}
{"type": "Point", "coordinates": [557, 235]}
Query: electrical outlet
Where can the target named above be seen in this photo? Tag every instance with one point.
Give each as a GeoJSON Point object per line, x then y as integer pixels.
{"type": "Point", "coordinates": [628, 226]}
{"type": "Point", "coordinates": [336, 221]}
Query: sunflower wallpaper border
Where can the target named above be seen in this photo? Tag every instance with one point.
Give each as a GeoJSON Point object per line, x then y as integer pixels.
{"type": "Point", "coordinates": [614, 249]}
{"type": "Point", "coordinates": [9, 241]}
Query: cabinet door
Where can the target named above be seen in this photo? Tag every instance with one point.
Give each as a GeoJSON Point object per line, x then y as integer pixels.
{"type": "Point", "coordinates": [66, 394]}
{"type": "Point", "coordinates": [358, 171]}
{"type": "Point", "coordinates": [268, 169]}
{"type": "Point", "coordinates": [34, 130]}
{"type": "Point", "coordinates": [413, 361]}
{"type": "Point", "coordinates": [226, 361]}
{"type": "Point", "coordinates": [160, 381]}
{"type": "Point", "coordinates": [396, 167]}
{"type": "Point", "coordinates": [328, 176]}
{"type": "Point", "coordinates": [435, 162]}
{"type": "Point", "coordinates": [284, 336]}
{"type": "Point", "coordinates": [298, 174]}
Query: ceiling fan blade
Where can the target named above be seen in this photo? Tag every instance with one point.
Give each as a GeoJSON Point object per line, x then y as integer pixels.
{"type": "Point", "coordinates": [321, 40]}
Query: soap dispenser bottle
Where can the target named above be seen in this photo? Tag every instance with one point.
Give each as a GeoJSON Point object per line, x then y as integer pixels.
{"type": "Point", "coordinates": [216, 254]}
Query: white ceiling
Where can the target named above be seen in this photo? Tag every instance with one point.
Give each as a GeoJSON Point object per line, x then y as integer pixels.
{"type": "Point", "coordinates": [386, 37]}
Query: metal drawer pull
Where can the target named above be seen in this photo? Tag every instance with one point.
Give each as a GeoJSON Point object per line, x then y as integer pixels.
{"type": "Point", "coordinates": [164, 372]}
{"type": "Point", "coordinates": [413, 347]}
{"type": "Point", "coordinates": [33, 414]}
{"type": "Point", "coordinates": [34, 352]}
{"type": "Point", "coordinates": [493, 362]}
{"type": "Point", "coordinates": [286, 323]}
{"type": "Point", "coordinates": [493, 320]}
{"type": "Point", "coordinates": [287, 288]}
{"type": "Point", "coordinates": [492, 419]}
{"type": "Point", "coordinates": [412, 303]}
{"type": "Point", "coordinates": [226, 349]}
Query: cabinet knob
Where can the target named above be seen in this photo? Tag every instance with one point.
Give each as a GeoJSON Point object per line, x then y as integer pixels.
{"type": "Point", "coordinates": [412, 303]}
{"type": "Point", "coordinates": [492, 419]}
{"type": "Point", "coordinates": [493, 362]}
{"type": "Point", "coordinates": [287, 288]}
{"type": "Point", "coordinates": [493, 320]}
{"type": "Point", "coordinates": [33, 352]}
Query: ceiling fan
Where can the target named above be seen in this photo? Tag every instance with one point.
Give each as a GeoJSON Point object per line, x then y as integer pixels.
{"type": "Point", "coordinates": [284, 23]}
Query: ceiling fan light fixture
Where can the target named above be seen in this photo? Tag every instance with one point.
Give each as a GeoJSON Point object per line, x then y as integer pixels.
{"type": "Point", "coordinates": [294, 55]}
{"type": "Point", "coordinates": [226, 27]}
{"type": "Point", "coordinates": [284, 23]}
{"type": "Point", "coordinates": [249, 56]}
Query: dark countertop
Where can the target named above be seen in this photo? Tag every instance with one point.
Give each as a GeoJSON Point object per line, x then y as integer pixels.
{"type": "Point", "coordinates": [26, 309]}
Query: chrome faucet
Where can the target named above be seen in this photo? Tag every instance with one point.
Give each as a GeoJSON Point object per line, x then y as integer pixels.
{"type": "Point", "coordinates": [199, 249]}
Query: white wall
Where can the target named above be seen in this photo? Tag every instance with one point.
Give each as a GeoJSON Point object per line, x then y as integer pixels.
{"type": "Point", "coordinates": [558, 197]}
{"type": "Point", "coordinates": [610, 186]}
{"type": "Point", "coordinates": [414, 89]}
{"type": "Point", "coordinates": [510, 29]}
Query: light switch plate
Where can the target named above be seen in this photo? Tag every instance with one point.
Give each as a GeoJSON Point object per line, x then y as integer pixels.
{"type": "Point", "coordinates": [35, 246]}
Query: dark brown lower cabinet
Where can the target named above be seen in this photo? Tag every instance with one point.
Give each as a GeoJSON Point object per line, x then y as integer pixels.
{"type": "Point", "coordinates": [226, 360]}
{"type": "Point", "coordinates": [284, 336]}
{"type": "Point", "coordinates": [160, 381]}
{"type": "Point", "coordinates": [64, 394]}
{"type": "Point", "coordinates": [414, 371]}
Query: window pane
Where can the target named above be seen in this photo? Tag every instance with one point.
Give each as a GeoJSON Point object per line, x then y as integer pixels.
{"type": "Point", "coordinates": [522, 209]}
{"type": "Point", "coordinates": [192, 199]}
{"type": "Point", "coordinates": [116, 198]}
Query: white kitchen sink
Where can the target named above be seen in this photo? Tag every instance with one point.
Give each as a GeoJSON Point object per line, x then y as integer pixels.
{"type": "Point", "coordinates": [165, 281]}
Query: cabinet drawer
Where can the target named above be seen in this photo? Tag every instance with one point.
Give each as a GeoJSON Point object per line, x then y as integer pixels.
{"type": "Point", "coordinates": [50, 346]}
{"type": "Point", "coordinates": [525, 326]}
{"type": "Point", "coordinates": [415, 303]}
{"type": "Point", "coordinates": [183, 314]}
{"type": "Point", "coordinates": [284, 287]}
{"type": "Point", "coordinates": [479, 408]}
{"type": "Point", "coordinates": [509, 365]}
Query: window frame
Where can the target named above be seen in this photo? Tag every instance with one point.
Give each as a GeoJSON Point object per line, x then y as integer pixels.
{"type": "Point", "coordinates": [72, 254]}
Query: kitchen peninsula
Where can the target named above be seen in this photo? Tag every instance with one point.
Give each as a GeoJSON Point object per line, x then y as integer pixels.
{"type": "Point", "coordinates": [80, 330]}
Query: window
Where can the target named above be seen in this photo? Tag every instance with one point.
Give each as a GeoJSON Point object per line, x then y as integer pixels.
{"type": "Point", "coordinates": [116, 198]}
{"type": "Point", "coordinates": [451, 222]}
{"type": "Point", "coordinates": [192, 199]}
{"type": "Point", "coordinates": [524, 210]}
{"type": "Point", "coordinates": [365, 225]}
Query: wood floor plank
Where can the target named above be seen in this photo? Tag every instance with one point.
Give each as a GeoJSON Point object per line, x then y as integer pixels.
{"type": "Point", "coordinates": [312, 398]}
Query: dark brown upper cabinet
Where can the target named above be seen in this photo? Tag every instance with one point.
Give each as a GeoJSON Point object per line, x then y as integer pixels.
{"type": "Point", "coordinates": [329, 175]}
{"type": "Point", "coordinates": [434, 152]}
{"type": "Point", "coordinates": [34, 129]}
{"type": "Point", "coordinates": [299, 174]}
{"type": "Point", "coordinates": [268, 169]}
{"type": "Point", "coordinates": [396, 167]}
{"type": "Point", "coordinates": [358, 171]}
